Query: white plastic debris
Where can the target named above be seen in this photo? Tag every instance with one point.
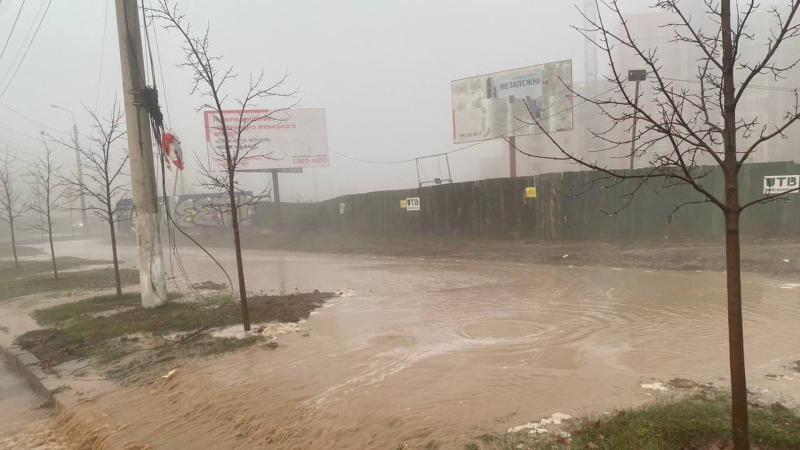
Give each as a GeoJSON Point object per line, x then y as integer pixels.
{"type": "Point", "coordinates": [654, 386]}
{"type": "Point", "coordinates": [541, 426]}
{"type": "Point", "coordinates": [169, 375]}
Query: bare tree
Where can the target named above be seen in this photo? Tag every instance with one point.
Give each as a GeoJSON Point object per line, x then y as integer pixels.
{"type": "Point", "coordinates": [12, 205]}
{"type": "Point", "coordinates": [47, 189]}
{"type": "Point", "coordinates": [235, 151]}
{"type": "Point", "coordinates": [685, 126]}
{"type": "Point", "coordinates": [104, 169]}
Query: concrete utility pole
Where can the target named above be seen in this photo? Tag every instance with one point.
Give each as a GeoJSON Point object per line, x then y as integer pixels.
{"type": "Point", "coordinates": [85, 224]}
{"type": "Point", "coordinates": [140, 150]}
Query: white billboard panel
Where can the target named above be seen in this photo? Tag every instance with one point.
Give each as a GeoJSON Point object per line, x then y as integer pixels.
{"type": "Point", "coordinates": [290, 139]}
{"type": "Point", "coordinates": [493, 105]}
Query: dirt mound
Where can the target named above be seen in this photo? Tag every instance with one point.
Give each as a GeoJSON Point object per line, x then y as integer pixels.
{"type": "Point", "coordinates": [286, 308]}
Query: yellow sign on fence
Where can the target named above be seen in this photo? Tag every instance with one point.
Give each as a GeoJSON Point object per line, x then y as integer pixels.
{"type": "Point", "coordinates": [403, 204]}
{"type": "Point", "coordinates": [530, 192]}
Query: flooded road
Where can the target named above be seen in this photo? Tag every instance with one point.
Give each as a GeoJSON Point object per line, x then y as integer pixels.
{"type": "Point", "coordinates": [24, 423]}
{"type": "Point", "coordinates": [422, 350]}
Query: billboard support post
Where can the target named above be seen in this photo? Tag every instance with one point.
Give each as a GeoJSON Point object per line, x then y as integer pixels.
{"type": "Point", "coordinates": [276, 199]}
{"type": "Point", "coordinates": [512, 156]}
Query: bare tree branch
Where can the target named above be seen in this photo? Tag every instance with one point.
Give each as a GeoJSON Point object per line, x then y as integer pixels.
{"type": "Point", "coordinates": [106, 165]}
{"type": "Point", "coordinates": [235, 150]}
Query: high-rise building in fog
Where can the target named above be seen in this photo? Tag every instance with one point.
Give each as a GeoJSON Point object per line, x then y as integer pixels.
{"type": "Point", "coordinates": [768, 98]}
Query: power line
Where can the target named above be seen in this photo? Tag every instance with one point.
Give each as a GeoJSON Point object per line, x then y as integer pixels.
{"type": "Point", "coordinates": [21, 134]}
{"type": "Point", "coordinates": [19, 50]}
{"type": "Point", "coordinates": [479, 142]}
{"type": "Point", "coordinates": [753, 86]}
{"type": "Point", "coordinates": [10, 33]}
{"type": "Point", "coordinates": [27, 49]}
{"type": "Point", "coordinates": [29, 119]}
{"type": "Point", "coordinates": [102, 51]}
{"type": "Point", "coordinates": [161, 70]}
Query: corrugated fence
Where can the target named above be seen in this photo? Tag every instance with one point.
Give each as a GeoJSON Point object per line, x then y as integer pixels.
{"type": "Point", "coordinates": [566, 206]}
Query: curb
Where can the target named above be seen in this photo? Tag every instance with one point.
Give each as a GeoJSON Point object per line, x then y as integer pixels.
{"type": "Point", "coordinates": [26, 364]}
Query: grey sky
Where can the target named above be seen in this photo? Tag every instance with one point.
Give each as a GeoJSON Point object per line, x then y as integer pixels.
{"type": "Point", "coordinates": [381, 69]}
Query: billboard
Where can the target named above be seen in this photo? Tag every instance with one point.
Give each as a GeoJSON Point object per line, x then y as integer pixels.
{"type": "Point", "coordinates": [491, 106]}
{"type": "Point", "coordinates": [287, 139]}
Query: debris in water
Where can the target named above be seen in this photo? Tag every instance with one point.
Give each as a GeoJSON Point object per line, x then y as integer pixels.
{"type": "Point", "coordinates": [785, 260]}
{"type": "Point", "coordinates": [270, 329]}
{"type": "Point", "coordinates": [169, 375]}
{"type": "Point", "coordinates": [682, 383]}
{"type": "Point", "coordinates": [540, 426]}
{"type": "Point", "coordinates": [654, 386]}
{"type": "Point", "coordinates": [565, 256]}
{"type": "Point", "coordinates": [345, 293]}
{"type": "Point", "coordinates": [772, 376]}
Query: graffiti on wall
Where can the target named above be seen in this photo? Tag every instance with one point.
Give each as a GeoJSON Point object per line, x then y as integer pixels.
{"type": "Point", "coordinates": [194, 210]}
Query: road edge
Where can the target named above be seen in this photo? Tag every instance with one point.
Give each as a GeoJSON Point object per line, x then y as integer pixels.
{"type": "Point", "coordinates": [27, 364]}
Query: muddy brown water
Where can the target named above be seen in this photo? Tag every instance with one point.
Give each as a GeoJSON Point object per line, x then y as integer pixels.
{"type": "Point", "coordinates": [24, 423]}
{"type": "Point", "coordinates": [444, 350]}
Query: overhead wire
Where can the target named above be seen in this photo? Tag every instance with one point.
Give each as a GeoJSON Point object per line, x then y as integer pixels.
{"type": "Point", "coordinates": [19, 133]}
{"type": "Point", "coordinates": [172, 225]}
{"type": "Point", "coordinates": [5, 105]}
{"type": "Point", "coordinates": [161, 70]}
{"type": "Point", "coordinates": [749, 86]}
{"type": "Point", "coordinates": [11, 33]}
{"type": "Point", "coordinates": [399, 161]}
{"type": "Point", "coordinates": [479, 142]}
{"type": "Point", "coordinates": [25, 39]}
{"type": "Point", "coordinates": [30, 43]}
{"type": "Point", "coordinates": [102, 53]}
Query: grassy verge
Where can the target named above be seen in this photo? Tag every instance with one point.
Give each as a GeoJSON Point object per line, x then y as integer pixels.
{"type": "Point", "coordinates": [108, 327]}
{"type": "Point", "coordinates": [34, 277]}
{"type": "Point", "coordinates": [22, 250]}
{"type": "Point", "coordinates": [700, 421]}
{"type": "Point", "coordinates": [42, 266]}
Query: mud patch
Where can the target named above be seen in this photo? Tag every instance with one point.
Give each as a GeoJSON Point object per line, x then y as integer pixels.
{"type": "Point", "coordinates": [109, 329]}
{"type": "Point", "coordinates": [682, 383]}
{"type": "Point", "coordinates": [285, 308]}
{"type": "Point", "coordinates": [53, 347]}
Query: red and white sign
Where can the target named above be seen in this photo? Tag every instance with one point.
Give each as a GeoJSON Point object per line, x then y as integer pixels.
{"type": "Point", "coordinates": [295, 138]}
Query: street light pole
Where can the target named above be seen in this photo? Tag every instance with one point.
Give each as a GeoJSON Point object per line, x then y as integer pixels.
{"type": "Point", "coordinates": [637, 76]}
{"type": "Point", "coordinates": [85, 224]}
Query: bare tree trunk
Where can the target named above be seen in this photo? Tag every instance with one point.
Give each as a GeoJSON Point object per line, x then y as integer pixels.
{"type": "Point", "coordinates": [239, 265]}
{"type": "Point", "coordinates": [741, 437]}
{"type": "Point", "coordinates": [114, 254]}
{"type": "Point", "coordinates": [741, 440]}
{"type": "Point", "coordinates": [52, 251]}
{"type": "Point", "coordinates": [13, 242]}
